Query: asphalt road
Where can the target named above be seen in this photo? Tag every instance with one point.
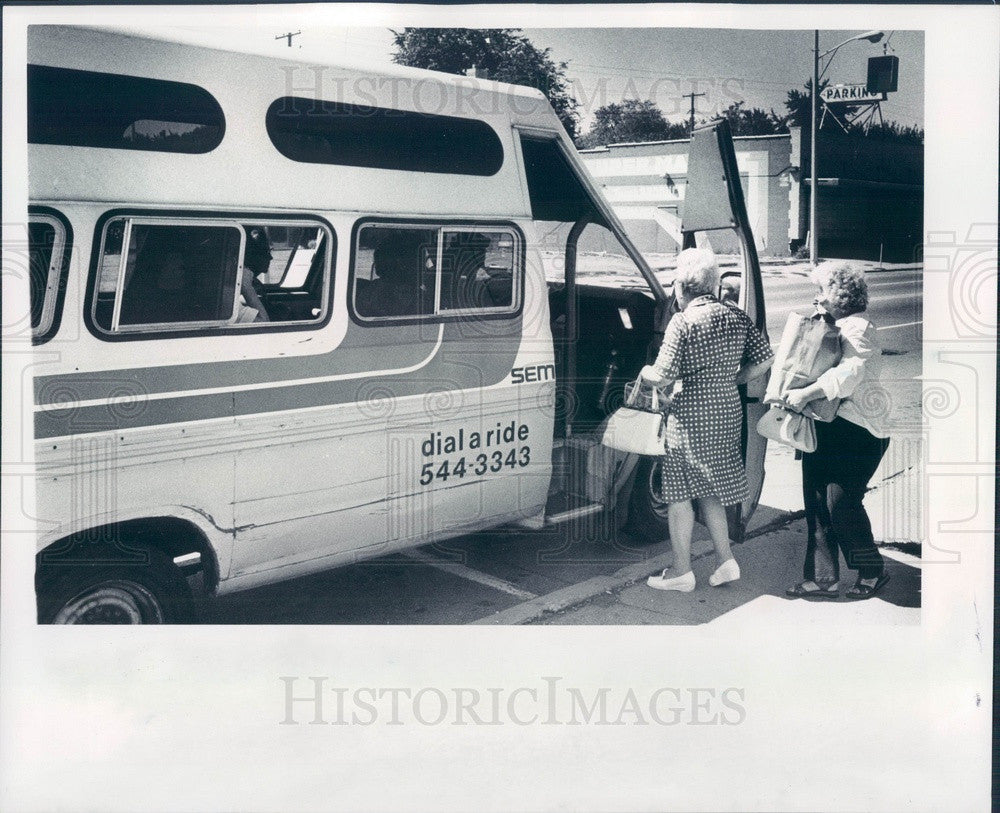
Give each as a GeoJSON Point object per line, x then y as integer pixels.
{"type": "Point", "coordinates": [476, 577]}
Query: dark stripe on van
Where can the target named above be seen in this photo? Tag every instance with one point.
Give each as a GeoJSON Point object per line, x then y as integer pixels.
{"type": "Point", "coordinates": [457, 365]}
{"type": "Point", "coordinates": [363, 349]}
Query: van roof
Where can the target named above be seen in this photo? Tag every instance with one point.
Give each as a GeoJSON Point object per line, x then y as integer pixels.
{"type": "Point", "coordinates": [201, 39]}
{"type": "Point", "coordinates": [245, 169]}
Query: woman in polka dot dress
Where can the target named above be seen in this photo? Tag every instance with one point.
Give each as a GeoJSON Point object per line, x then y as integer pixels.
{"type": "Point", "coordinates": [709, 347]}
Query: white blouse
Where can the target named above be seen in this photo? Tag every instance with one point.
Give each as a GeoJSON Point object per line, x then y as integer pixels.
{"type": "Point", "coordinates": [855, 380]}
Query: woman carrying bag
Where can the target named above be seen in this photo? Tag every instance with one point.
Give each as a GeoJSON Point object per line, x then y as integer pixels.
{"type": "Point", "coordinates": [709, 347]}
{"type": "Point", "coordinates": [848, 449]}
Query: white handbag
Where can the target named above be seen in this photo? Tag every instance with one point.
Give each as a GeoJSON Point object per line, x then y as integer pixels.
{"type": "Point", "coordinates": [638, 431]}
{"type": "Point", "coordinates": [790, 428]}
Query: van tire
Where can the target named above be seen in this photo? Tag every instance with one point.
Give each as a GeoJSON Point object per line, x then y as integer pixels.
{"type": "Point", "coordinates": [152, 591]}
{"type": "Point", "coordinates": [647, 513]}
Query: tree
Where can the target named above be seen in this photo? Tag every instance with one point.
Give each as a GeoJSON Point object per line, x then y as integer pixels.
{"type": "Point", "coordinates": [630, 121]}
{"type": "Point", "coordinates": [800, 115]}
{"type": "Point", "coordinates": [893, 131]}
{"type": "Point", "coordinates": [799, 107]}
{"type": "Point", "coordinates": [502, 54]}
{"type": "Point", "coordinates": [753, 121]}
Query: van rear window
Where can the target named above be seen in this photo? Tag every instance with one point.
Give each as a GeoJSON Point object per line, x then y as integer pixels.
{"type": "Point", "coordinates": [203, 274]}
{"type": "Point", "coordinates": [320, 132]}
{"type": "Point", "coordinates": [90, 109]}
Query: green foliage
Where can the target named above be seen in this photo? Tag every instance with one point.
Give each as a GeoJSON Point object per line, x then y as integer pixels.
{"type": "Point", "coordinates": [800, 115]}
{"type": "Point", "coordinates": [199, 138]}
{"type": "Point", "coordinates": [631, 121]}
{"type": "Point", "coordinates": [753, 121]}
{"type": "Point", "coordinates": [799, 106]}
{"type": "Point", "coordinates": [501, 54]}
{"type": "Point", "coordinates": [895, 132]}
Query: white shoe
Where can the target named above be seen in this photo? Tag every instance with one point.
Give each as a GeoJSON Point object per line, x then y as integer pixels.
{"type": "Point", "coordinates": [683, 583]}
{"type": "Point", "coordinates": [728, 571]}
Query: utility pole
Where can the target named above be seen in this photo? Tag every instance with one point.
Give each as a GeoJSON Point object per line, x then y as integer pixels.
{"type": "Point", "coordinates": [288, 37]}
{"type": "Point", "coordinates": [813, 174]}
{"type": "Point", "coordinates": [691, 96]}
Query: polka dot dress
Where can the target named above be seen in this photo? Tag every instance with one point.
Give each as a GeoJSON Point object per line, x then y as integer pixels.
{"type": "Point", "coordinates": [704, 346]}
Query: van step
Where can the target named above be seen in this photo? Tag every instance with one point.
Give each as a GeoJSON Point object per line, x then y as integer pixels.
{"type": "Point", "coordinates": [574, 513]}
{"type": "Point", "coordinates": [565, 506]}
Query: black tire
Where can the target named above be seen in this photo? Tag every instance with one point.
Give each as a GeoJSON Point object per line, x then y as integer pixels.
{"type": "Point", "coordinates": [146, 589]}
{"type": "Point", "coordinates": [647, 513]}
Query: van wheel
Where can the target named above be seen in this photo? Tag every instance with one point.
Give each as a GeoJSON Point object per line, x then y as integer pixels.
{"type": "Point", "coordinates": [647, 512]}
{"type": "Point", "coordinates": [149, 592]}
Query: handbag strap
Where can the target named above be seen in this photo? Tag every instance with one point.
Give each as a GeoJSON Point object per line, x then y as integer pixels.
{"type": "Point", "coordinates": [634, 394]}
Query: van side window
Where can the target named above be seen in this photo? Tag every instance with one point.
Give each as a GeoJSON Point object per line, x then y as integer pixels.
{"type": "Point", "coordinates": [47, 246]}
{"type": "Point", "coordinates": [316, 131]}
{"type": "Point", "coordinates": [158, 274]}
{"type": "Point", "coordinates": [427, 272]}
{"type": "Point", "coordinates": [477, 270]}
{"type": "Point", "coordinates": [90, 109]}
{"type": "Point", "coordinates": [395, 271]}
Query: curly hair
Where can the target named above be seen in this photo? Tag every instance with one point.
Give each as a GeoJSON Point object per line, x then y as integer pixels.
{"type": "Point", "coordinates": [845, 284]}
{"type": "Point", "coordinates": [697, 272]}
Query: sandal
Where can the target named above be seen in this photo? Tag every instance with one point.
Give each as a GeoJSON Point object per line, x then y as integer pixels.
{"type": "Point", "coordinates": [861, 590]}
{"type": "Point", "coordinates": [820, 591]}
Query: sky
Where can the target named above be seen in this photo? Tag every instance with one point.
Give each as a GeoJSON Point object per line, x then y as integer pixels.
{"type": "Point", "coordinates": [607, 65]}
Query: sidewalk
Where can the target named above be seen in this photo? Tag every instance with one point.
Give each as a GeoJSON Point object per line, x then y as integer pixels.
{"type": "Point", "coordinates": [770, 561]}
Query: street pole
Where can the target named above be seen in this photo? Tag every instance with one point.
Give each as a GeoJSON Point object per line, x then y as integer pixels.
{"type": "Point", "coordinates": [692, 95]}
{"type": "Point", "coordinates": [813, 175]}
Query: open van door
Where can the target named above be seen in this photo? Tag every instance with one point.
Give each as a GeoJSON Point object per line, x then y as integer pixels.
{"type": "Point", "coordinates": [714, 201]}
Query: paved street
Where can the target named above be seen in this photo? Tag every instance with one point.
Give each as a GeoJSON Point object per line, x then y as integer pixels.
{"type": "Point", "coordinates": [587, 574]}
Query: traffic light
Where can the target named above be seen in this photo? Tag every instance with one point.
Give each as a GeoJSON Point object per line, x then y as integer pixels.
{"type": "Point", "coordinates": [883, 74]}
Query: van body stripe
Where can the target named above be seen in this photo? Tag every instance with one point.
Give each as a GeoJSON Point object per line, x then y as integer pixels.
{"type": "Point", "coordinates": [454, 365]}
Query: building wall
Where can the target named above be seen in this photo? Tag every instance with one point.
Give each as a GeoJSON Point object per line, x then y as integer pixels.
{"type": "Point", "coordinates": [646, 182]}
{"type": "Point", "coordinates": [871, 197]}
{"type": "Point", "coordinates": [870, 194]}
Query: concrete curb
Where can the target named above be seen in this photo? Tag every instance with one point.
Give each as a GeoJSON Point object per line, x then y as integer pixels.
{"type": "Point", "coordinates": [568, 597]}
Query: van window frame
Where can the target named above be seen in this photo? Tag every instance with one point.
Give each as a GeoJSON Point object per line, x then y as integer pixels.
{"type": "Point", "coordinates": [172, 330]}
{"type": "Point", "coordinates": [451, 315]}
{"type": "Point", "coordinates": [55, 285]}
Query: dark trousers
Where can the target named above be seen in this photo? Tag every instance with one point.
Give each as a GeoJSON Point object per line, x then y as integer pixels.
{"type": "Point", "coordinates": [834, 479]}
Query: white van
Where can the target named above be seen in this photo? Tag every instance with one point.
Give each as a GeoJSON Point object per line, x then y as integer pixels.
{"type": "Point", "coordinates": [300, 316]}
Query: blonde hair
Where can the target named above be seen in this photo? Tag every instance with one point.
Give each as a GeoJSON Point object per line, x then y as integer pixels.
{"type": "Point", "coordinates": [845, 285]}
{"type": "Point", "coordinates": [697, 272]}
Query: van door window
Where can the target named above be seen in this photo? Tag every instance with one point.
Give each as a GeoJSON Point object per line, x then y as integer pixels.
{"type": "Point", "coordinates": [206, 274]}
{"type": "Point", "coordinates": [432, 272]}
